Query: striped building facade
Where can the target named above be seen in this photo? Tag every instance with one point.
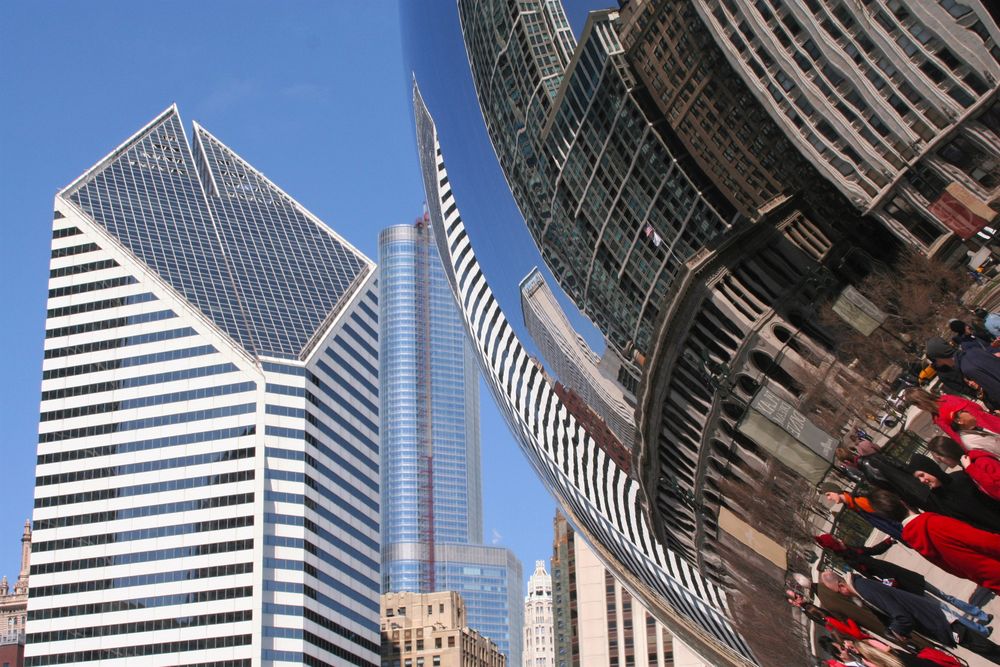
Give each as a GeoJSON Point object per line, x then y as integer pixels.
{"type": "Point", "coordinates": [207, 486]}
{"type": "Point", "coordinates": [599, 498]}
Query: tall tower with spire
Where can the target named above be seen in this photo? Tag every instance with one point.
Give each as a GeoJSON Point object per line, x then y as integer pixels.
{"type": "Point", "coordinates": [432, 505]}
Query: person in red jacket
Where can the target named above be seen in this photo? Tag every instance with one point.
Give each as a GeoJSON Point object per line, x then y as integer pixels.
{"type": "Point", "coordinates": [982, 466]}
{"type": "Point", "coordinates": [952, 545]}
{"type": "Point", "coordinates": [947, 407]}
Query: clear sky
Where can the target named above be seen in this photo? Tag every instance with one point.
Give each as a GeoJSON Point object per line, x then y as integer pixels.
{"type": "Point", "coordinates": [312, 93]}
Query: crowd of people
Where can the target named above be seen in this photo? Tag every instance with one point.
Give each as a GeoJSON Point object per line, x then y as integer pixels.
{"type": "Point", "coordinates": [943, 505]}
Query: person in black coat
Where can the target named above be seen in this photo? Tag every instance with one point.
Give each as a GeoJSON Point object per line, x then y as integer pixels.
{"type": "Point", "coordinates": [863, 560]}
{"type": "Point", "coordinates": [956, 495]}
{"type": "Point", "coordinates": [909, 613]}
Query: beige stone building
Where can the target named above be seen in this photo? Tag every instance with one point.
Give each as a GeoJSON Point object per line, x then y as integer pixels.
{"type": "Point", "coordinates": [597, 622]}
{"type": "Point", "coordinates": [428, 630]}
{"type": "Point", "coordinates": [14, 606]}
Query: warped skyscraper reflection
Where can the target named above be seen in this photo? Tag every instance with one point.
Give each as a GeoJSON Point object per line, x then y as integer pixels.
{"type": "Point", "coordinates": [601, 501]}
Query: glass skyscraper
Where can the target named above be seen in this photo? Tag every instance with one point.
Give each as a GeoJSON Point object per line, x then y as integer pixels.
{"type": "Point", "coordinates": [208, 469]}
{"type": "Point", "coordinates": [432, 523]}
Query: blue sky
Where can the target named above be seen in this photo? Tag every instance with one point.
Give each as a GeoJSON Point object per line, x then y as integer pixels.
{"type": "Point", "coordinates": [314, 94]}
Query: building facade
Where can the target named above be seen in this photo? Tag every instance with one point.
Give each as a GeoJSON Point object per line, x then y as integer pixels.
{"type": "Point", "coordinates": [597, 621]}
{"type": "Point", "coordinates": [14, 607]}
{"type": "Point", "coordinates": [539, 647]}
{"type": "Point", "coordinates": [431, 630]}
{"type": "Point", "coordinates": [572, 360]}
{"type": "Point", "coordinates": [895, 103]}
{"type": "Point", "coordinates": [208, 470]}
{"type": "Point", "coordinates": [599, 497]}
{"type": "Point", "coordinates": [614, 208]}
{"type": "Point", "coordinates": [432, 524]}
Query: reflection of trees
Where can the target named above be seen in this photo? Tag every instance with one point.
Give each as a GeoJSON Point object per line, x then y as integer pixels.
{"type": "Point", "coordinates": [918, 295]}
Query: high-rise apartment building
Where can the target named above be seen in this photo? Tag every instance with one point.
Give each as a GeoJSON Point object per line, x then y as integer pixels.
{"type": "Point", "coordinates": [432, 630]}
{"type": "Point", "coordinates": [208, 468]}
{"type": "Point", "coordinates": [614, 208]}
{"type": "Point", "coordinates": [538, 640]}
{"type": "Point", "coordinates": [572, 360]}
{"type": "Point", "coordinates": [602, 500]}
{"type": "Point", "coordinates": [14, 607]}
{"type": "Point", "coordinates": [597, 621]}
{"type": "Point", "coordinates": [432, 516]}
{"type": "Point", "coordinates": [893, 103]}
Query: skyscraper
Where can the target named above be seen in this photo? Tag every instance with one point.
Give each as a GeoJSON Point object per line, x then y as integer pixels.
{"type": "Point", "coordinates": [432, 516]}
{"type": "Point", "coordinates": [208, 472]}
{"type": "Point", "coordinates": [598, 622]}
{"type": "Point", "coordinates": [571, 358]}
{"type": "Point", "coordinates": [538, 640]}
{"type": "Point", "coordinates": [597, 495]}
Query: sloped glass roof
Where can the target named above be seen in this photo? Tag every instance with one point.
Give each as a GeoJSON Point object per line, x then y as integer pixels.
{"type": "Point", "coordinates": [233, 244]}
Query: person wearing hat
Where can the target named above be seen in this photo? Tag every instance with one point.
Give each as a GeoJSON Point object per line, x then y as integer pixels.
{"type": "Point", "coordinates": [956, 495]}
{"type": "Point", "coordinates": [978, 366]}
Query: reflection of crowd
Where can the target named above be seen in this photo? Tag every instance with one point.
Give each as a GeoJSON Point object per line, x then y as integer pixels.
{"type": "Point", "coordinates": [945, 506]}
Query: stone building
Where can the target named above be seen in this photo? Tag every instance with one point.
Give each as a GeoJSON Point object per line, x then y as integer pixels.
{"type": "Point", "coordinates": [14, 607]}
{"type": "Point", "coordinates": [598, 622]}
{"type": "Point", "coordinates": [429, 630]}
{"type": "Point", "coordinates": [538, 644]}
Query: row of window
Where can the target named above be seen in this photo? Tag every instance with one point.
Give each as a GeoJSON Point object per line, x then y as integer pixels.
{"type": "Point", "coordinates": [140, 626]}
{"type": "Point", "coordinates": [284, 411]}
{"type": "Point", "coordinates": [143, 445]}
{"type": "Point", "coordinates": [94, 655]}
{"type": "Point", "coordinates": [346, 484]}
{"type": "Point", "coordinates": [147, 401]}
{"type": "Point", "coordinates": [103, 304]}
{"type": "Point", "coordinates": [146, 510]}
{"type": "Point", "coordinates": [149, 422]}
{"type": "Point", "coordinates": [136, 604]}
{"type": "Point", "coordinates": [142, 489]}
{"type": "Point", "coordinates": [83, 268]}
{"type": "Point", "coordinates": [65, 231]}
{"type": "Point", "coordinates": [140, 360]}
{"type": "Point", "coordinates": [145, 466]}
{"type": "Point", "coordinates": [140, 381]}
{"type": "Point", "coordinates": [284, 390]}
{"type": "Point", "coordinates": [115, 343]}
{"type": "Point", "coordinates": [114, 323]}
{"type": "Point", "coordinates": [142, 534]}
{"type": "Point", "coordinates": [69, 251]}
{"type": "Point", "coordinates": [80, 288]}
{"type": "Point", "coordinates": [155, 578]}
{"type": "Point", "coordinates": [142, 557]}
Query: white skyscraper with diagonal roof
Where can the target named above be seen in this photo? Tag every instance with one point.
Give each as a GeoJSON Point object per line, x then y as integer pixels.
{"type": "Point", "coordinates": [207, 487]}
